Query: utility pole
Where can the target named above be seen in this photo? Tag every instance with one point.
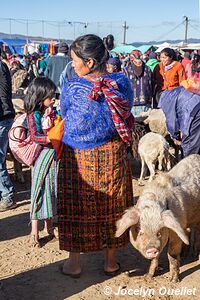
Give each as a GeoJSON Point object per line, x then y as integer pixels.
{"type": "Point", "coordinates": [186, 28]}
{"type": "Point", "coordinates": [125, 28]}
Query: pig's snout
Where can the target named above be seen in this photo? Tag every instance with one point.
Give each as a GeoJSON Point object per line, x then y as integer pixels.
{"type": "Point", "coordinates": [152, 253]}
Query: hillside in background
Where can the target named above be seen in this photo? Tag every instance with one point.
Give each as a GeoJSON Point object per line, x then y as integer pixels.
{"type": "Point", "coordinates": [136, 44]}
{"type": "Point", "coordinates": [24, 37]}
{"type": "Point", "coordinates": [190, 40]}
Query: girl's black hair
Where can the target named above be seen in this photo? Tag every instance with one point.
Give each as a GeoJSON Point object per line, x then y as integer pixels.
{"type": "Point", "coordinates": [39, 89]}
{"type": "Point", "coordinates": [91, 46]}
{"type": "Point", "coordinates": [169, 52]}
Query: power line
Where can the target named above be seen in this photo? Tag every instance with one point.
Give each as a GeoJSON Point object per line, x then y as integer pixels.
{"type": "Point", "coordinates": [167, 33]}
{"type": "Point", "coordinates": [195, 28]}
{"type": "Point", "coordinates": [100, 28]}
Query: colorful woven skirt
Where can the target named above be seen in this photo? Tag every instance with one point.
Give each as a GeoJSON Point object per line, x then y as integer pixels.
{"type": "Point", "coordinates": [94, 189]}
{"type": "Point", "coordinates": [44, 186]}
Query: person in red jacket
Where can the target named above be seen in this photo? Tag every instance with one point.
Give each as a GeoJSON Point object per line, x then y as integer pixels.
{"type": "Point", "coordinates": [187, 63]}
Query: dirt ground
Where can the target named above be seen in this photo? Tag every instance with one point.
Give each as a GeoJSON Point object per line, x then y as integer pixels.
{"type": "Point", "coordinates": [27, 273]}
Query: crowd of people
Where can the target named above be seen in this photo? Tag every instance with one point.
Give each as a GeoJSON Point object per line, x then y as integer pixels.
{"type": "Point", "coordinates": [97, 94]}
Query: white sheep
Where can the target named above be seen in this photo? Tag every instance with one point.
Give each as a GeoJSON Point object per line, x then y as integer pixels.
{"type": "Point", "coordinates": [156, 120]}
{"type": "Point", "coordinates": [153, 147]}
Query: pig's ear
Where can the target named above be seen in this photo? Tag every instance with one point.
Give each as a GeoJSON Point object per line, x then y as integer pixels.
{"type": "Point", "coordinates": [171, 222]}
{"type": "Point", "coordinates": [130, 218]}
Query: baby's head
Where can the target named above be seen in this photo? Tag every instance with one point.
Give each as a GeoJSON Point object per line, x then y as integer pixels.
{"type": "Point", "coordinates": [113, 65]}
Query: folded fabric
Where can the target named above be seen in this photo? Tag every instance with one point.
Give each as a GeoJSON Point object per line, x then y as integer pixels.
{"type": "Point", "coordinates": [23, 148]}
{"type": "Point", "coordinates": [55, 135]}
{"type": "Point", "coordinates": [192, 85]}
{"type": "Point", "coordinates": [119, 107]}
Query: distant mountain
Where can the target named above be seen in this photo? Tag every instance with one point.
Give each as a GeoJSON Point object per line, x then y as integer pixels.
{"type": "Point", "coordinates": [136, 44]}
{"type": "Point", "coordinates": [23, 37]}
{"type": "Point", "coordinates": [190, 40]}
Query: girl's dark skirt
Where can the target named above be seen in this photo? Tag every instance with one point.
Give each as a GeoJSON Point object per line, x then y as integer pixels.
{"type": "Point", "coordinates": [94, 189]}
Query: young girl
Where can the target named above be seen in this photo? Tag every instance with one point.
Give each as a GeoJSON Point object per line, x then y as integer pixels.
{"type": "Point", "coordinates": [40, 99]}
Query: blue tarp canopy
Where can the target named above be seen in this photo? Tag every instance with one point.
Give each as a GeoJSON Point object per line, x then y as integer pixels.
{"type": "Point", "coordinates": [145, 48]}
{"type": "Point", "coordinates": [15, 45]}
{"type": "Point", "coordinates": [124, 49]}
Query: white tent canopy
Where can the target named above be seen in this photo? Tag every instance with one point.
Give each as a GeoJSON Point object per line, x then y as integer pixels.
{"type": "Point", "coordinates": [179, 46]}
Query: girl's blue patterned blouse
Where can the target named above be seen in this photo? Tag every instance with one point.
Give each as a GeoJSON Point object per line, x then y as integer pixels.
{"type": "Point", "coordinates": [88, 123]}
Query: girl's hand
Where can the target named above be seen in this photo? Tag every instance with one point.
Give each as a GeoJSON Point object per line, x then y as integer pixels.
{"type": "Point", "coordinates": [48, 140]}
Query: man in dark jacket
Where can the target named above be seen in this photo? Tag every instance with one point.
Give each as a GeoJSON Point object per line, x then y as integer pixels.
{"type": "Point", "coordinates": [56, 65]}
{"type": "Point", "coordinates": [7, 115]}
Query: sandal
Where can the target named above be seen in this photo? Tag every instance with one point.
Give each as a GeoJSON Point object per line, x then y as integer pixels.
{"type": "Point", "coordinates": [33, 242]}
{"type": "Point", "coordinates": [113, 273]}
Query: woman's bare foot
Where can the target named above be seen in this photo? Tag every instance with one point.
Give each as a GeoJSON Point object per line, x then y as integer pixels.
{"type": "Point", "coordinates": [72, 266]}
{"type": "Point", "coordinates": [53, 232]}
{"type": "Point", "coordinates": [110, 264]}
{"type": "Point", "coordinates": [111, 268]}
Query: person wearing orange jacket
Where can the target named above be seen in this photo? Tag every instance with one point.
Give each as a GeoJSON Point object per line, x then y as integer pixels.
{"type": "Point", "coordinates": [168, 74]}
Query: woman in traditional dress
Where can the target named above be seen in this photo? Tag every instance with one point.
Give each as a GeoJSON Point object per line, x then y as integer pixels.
{"type": "Point", "coordinates": [140, 76]}
{"type": "Point", "coordinates": [94, 180]}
